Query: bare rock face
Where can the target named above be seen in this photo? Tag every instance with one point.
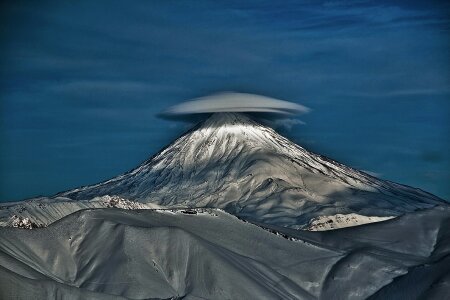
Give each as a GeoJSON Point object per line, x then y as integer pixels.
{"type": "Point", "coordinates": [118, 202]}
{"type": "Point", "coordinates": [26, 223]}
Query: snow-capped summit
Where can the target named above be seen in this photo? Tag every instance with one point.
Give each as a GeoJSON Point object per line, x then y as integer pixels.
{"type": "Point", "coordinates": [230, 161]}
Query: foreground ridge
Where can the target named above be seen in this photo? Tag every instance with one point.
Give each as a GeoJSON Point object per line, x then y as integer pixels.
{"type": "Point", "coordinates": [166, 254]}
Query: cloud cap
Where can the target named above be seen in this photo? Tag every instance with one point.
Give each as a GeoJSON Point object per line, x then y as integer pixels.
{"type": "Point", "coordinates": [234, 102]}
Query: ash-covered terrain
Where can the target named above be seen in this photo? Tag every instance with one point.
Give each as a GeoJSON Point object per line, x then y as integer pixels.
{"type": "Point", "coordinates": [230, 210]}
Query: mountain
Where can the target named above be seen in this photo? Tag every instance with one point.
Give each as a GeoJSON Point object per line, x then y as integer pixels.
{"type": "Point", "coordinates": [232, 162]}
{"type": "Point", "coordinates": [216, 215]}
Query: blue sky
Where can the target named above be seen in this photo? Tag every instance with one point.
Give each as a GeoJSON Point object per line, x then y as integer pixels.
{"type": "Point", "coordinates": [81, 82]}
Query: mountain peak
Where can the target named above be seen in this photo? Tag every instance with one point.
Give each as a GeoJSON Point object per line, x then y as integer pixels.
{"type": "Point", "coordinates": [228, 129]}
{"type": "Point", "coordinates": [228, 119]}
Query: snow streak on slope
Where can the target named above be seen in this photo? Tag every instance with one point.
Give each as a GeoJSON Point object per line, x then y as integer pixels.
{"type": "Point", "coordinates": [230, 161]}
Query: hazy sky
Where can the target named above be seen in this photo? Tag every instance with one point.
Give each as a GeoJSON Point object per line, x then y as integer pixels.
{"type": "Point", "coordinates": [81, 82]}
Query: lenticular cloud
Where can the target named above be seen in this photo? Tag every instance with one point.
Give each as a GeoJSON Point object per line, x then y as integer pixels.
{"type": "Point", "coordinates": [235, 102]}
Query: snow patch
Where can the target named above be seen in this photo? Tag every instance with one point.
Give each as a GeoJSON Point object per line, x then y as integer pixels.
{"type": "Point", "coordinates": [322, 223]}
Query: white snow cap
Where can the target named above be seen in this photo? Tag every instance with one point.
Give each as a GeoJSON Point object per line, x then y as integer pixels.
{"type": "Point", "coordinates": [235, 102]}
